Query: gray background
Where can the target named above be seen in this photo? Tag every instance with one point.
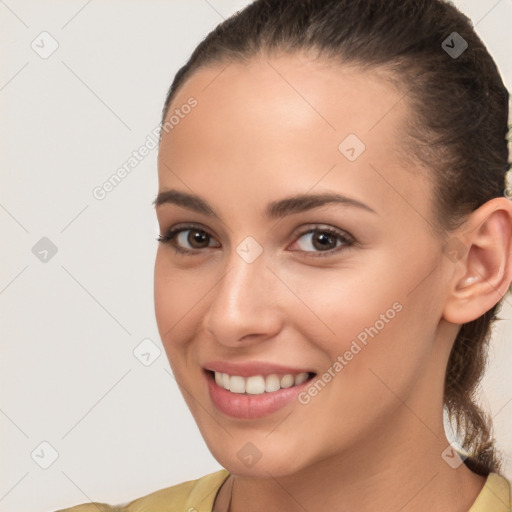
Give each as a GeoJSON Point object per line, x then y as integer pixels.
{"type": "Point", "coordinates": [120, 428]}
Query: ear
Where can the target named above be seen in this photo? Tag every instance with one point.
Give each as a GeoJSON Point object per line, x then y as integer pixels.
{"type": "Point", "coordinates": [481, 259]}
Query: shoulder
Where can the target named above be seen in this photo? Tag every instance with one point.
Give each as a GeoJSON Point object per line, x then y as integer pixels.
{"type": "Point", "coordinates": [193, 495]}
{"type": "Point", "coordinates": [495, 495]}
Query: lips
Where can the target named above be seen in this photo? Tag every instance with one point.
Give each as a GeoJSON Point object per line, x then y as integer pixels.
{"type": "Point", "coordinates": [255, 403]}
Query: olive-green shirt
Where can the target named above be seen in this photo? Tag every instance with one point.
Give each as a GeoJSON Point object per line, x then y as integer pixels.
{"type": "Point", "coordinates": [199, 496]}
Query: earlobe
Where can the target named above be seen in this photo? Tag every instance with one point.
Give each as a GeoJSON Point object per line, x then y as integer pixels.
{"type": "Point", "coordinates": [483, 272]}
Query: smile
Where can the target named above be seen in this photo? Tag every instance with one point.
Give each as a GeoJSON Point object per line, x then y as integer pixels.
{"type": "Point", "coordinates": [255, 396]}
{"type": "Point", "coordinates": [259, 384]}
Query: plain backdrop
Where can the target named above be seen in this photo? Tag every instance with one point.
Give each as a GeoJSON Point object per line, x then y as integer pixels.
{"type": "Point", "coordinates": [76, 275]}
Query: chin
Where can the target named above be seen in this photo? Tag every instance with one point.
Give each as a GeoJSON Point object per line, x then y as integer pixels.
{"type": "Point", "coordinates": [248, 456]}
{"type": "Point", "coordinates": [270, 467]}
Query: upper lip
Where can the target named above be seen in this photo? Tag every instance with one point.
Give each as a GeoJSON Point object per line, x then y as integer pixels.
{"type": "Point", "coordinates": [252, 368]}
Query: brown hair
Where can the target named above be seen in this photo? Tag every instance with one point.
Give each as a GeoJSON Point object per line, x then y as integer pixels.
{"type": "Point", "coordinates": [457, 126]}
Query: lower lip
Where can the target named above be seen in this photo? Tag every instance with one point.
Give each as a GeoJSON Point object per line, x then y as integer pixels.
{"type": "Point", "coordinates": [247, 406]}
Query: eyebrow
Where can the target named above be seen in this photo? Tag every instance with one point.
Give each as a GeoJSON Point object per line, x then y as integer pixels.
{"type": "Point", "coordinates": [275, 209]}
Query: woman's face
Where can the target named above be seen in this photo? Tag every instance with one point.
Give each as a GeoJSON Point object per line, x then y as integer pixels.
{"type": "Point", "coordinates": [358, 302]}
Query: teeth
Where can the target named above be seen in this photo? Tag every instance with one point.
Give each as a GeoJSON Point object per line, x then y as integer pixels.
{"type": "Point", "coordinates": [254, 385]}
{"type": "Point", "coordinates": [236, 384]}
{"type": "Point", "coordinates": [287, 381]}
{"type": "Point", "coordinates": [258, 384]}
{"type": "Point", "coordinates": [272, 383]}
{"type": "Point", "coordinates": [302, 377]}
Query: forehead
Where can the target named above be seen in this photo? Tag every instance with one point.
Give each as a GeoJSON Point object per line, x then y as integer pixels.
{"type": "Point", "coordinates": [265, 99]}
{"type": "Point", "coordinates": [290, 119]}
{"type": "Point", "coordinates": [298, 87]}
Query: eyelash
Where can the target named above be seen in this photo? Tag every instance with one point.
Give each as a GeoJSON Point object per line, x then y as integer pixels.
{"type": "Point", "coordinates": [346, 239]}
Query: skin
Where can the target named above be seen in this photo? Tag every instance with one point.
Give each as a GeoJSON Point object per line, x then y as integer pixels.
{"type": "Point", "coordinates": [373, 437]}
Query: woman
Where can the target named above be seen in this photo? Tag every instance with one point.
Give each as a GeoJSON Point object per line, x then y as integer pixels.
{"type": "Point", "coordinates": [335, 245]}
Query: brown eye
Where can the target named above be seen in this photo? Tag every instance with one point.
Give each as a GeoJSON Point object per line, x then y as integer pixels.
{"type": "Point", "coordinates": [322, 240]}
{"type": "Point", "coordinates": [196, 238]}
{"type": "Point", "coordinates": [188, 239]}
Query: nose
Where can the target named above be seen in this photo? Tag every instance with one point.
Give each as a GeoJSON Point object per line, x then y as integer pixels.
{"type": "Point", "coordinates": [244, 304]}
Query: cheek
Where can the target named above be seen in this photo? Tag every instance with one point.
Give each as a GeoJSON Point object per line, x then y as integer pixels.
{"type": "Point", "coordinates": [174, 301]}
{"type": "Point", "coordinates": [375, 318]}
{"type": "Point", "coordinates": [165, 296]}
{"type": "Point", "coordinates": [176, 295]}
{"type": "Point", "coordinates": [334, 306]}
